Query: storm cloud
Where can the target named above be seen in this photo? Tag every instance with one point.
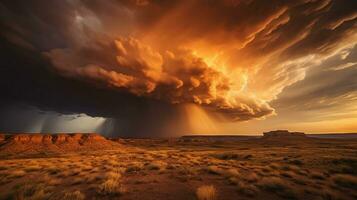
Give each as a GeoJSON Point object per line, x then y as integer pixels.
{"type": "Point", "coordinates": [123, 59]}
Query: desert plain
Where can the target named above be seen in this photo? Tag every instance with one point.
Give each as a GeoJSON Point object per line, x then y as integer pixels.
{"type": "Point", "coordinates": [89, 166]}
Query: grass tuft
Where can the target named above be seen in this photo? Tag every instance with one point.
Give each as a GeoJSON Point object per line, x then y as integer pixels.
{"type": "Point", "coordinates": [156, 165]}
{"type": "Point", "coordinates": [247, 189]}
{"type": "Point", "coordinates": [76, 195]}
{"type": "Point", "coordinates": [344, 180]}
{"type": "Point", "coordinates": [112, 185]}
{"type": "Point", "coordinates": [206, 192]}
{"type": "Point", "coordinates": [31, 192]}
{"type": "Point", "coordinates": [277, 186]}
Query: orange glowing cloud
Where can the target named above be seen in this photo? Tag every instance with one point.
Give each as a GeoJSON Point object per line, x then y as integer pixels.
{"type": "Point", "coordinates": [177, 76]}
{"type": "Point", "coordinates": [221, 55]}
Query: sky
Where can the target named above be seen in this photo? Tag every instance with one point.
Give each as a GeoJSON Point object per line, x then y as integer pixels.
{"type": "Point", "coordinates": [145, 68]}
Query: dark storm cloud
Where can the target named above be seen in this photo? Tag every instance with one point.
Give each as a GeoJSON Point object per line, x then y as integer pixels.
{"type": "Point", "coordinates": [27, 80]}
{"type": "Point", "coordinates": [30, 28]}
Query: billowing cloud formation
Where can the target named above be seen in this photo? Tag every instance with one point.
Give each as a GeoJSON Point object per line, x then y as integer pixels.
{"type": "Point", "coordinates": [176, 77]}
{"type": "Point", "coordinates": [231, 56]}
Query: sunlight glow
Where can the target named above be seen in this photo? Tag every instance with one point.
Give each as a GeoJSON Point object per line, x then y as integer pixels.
{"type": "Point", "coordinates": [199, 120]}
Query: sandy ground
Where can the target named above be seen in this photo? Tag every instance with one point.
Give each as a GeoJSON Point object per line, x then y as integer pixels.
{"type": "Point", "coordinates": [170, 169]}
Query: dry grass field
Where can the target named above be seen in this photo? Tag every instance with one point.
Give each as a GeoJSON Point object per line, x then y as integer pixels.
{"type": "Point", "coordinates": [177, 169]}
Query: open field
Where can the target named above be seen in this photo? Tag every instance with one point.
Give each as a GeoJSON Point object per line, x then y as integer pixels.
{"type": "Point", "coordinates": [187, 169]}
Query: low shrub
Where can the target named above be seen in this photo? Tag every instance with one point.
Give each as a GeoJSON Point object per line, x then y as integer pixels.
{"type": "Point", "coordinates": [206, 192]}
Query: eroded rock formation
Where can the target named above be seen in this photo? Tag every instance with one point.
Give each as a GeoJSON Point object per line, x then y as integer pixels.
{"type": "Point", "coordinates": [283, 134]}
{"type": "Point", "coordinates": [44, 143]}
